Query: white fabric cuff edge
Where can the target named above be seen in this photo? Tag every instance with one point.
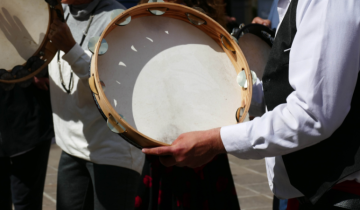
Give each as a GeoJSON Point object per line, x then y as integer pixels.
{"type": "Point", "coordinates": [237, 141]}
{"type": "Point", "coordinates": [75, 52]}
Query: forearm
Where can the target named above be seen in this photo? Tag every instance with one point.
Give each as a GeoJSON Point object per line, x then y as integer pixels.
{"type": "Point", "coordinates": [79, 61]}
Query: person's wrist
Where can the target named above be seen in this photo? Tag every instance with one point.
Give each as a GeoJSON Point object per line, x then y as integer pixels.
{"type": "Point", "coordinates": [218, 144]}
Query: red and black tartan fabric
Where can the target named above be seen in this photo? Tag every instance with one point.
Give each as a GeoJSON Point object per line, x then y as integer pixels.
{"type": "Point", "coordinates": [210, 187]}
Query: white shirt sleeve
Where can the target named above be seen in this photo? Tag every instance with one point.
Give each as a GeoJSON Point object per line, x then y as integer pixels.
{"type": "Point", "coordinates": [257, 106]}
{"type": "Point", "coordinates": [79, 61]}
{"type": "Point", "coordinates": [323, 71]}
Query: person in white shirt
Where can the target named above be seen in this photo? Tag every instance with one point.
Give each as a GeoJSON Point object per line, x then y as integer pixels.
{"type": "Point", "coordinates": [308, 135]}
{"type": "Point", "coordinates": [97, 169]}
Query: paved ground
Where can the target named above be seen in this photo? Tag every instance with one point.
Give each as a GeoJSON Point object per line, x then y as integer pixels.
{"type": "Point", "coordinates": [249, 176]}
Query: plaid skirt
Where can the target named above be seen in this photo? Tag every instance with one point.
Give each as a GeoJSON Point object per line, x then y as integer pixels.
{"type": "Point", "coordinates": [210, 187]}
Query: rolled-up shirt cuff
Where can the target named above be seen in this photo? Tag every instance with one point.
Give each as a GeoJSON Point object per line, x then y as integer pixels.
{"type": "Point", "coordinates": [74, 54]}
{"type": "Point", "coordinates": [237, 142]}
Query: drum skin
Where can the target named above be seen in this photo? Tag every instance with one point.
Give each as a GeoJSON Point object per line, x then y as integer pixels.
{"type": "Point", "coordinates": [158, 119]}
{"type": "Point", "coordinates": [24, 26]}
{"type": "Point", "coordinates": [255, 41]}
{"type": "Point", "coordinates": [256, 52]}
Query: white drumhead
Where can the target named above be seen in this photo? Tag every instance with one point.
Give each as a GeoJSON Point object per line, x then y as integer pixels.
{"type": "Point", "coordinates": [256, 52]}
{"type": "Point", "coordinates": [167, 77]}
{"type": "Point", "coordinates": [23, 25]}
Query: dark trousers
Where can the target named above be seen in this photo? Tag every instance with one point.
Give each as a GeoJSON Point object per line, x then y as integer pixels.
{"type": "Point", "coordinates": [83, 185]}
{"type": "Point", "coordinates": [22, 179]}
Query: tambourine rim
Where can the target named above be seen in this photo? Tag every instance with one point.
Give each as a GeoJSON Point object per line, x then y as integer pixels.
{"type": "Point", "coordinates": [255, 25]}
{"type": "Point", "coordinates": [45, 46]}
{"type": "Point", "coordinates": [245, 98]}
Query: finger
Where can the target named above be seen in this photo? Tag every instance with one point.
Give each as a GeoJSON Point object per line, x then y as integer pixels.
{"type": "Point", "coordinates": [165, 150]}
{"type": "Point", "coordinates": [53, 26]}
{"type": "Point", "coordinates": [57, 22]}
{"type": "Point", "coordinates": [50, 36]}
{"type": "Point", "coordinates": [257, 20]}
{"type": "Point", "coordinates": [167, 161]}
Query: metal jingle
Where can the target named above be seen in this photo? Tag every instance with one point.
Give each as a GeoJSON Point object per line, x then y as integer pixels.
{"type": "Point", "coordinates": [2, 72]}
{"type": "Point", "coordinates": [5, 75]}
{"type": "Point", "coordinates": [239, 112]}
{"type": "Point", "coordinates": [114, 125]}
{"type": "Point", "coordinates": [227, 44]}
{"type": "Point", "coordinates": [234, 38]}
{"type": "Point", "coordinates": [94, 41]}
{"type": "Point", "coordinates": [30, 61]}
{"type": "Point", "coordinates": [241, 79]}
{"type": "Point", "coordinates": [195, 20]}
{"type": "Point", "coordinates": [157, 10]}
{"type": "Point", "coordinates": [37, 64]}
{"type": "Point", "coordinates": [123, 21]}
{"type": "Point", "coordinates": [19, 72]}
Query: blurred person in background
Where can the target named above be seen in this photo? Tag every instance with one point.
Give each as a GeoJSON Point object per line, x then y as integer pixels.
{"type": "Point", "coordinates": [97, 169]}
{"type": "Point", "coordinates": [26, 131]}
{"type": "Point", "coordinates": [273, 19]}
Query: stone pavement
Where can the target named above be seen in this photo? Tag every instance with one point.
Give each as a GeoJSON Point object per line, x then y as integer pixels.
{"type": "Point", "coordinates": [249, 176]}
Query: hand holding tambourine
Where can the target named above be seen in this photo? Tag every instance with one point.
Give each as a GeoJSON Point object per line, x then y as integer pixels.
{"type": "Point", "coordinates": [61, 37]}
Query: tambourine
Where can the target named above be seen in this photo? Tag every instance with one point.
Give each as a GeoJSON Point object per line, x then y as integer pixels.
{"type": "Point", "coordinates": [255, 41]}
{"type": "Point", "coordinates": [25, 46]}
{"type": "Point", "coordinates": [162, 69]}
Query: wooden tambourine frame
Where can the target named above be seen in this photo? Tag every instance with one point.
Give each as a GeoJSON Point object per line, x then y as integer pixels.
{"type": "Point", "coordinates": [46, 51]}
{"type": "Point", "coordinates": [180, 12]}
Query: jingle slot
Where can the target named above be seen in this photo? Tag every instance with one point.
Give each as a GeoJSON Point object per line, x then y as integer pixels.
{"type": "Point", "coordinates": [5, 75]}
{"type": "Point", "coordinates": [92, 85]}
{"type": "Point", "coordinates": [234, 38]}
{"type": "Point", "coordinates": [114, 126]}
{"type": "Point", "coordinates": [195, 20]}
{"type": "Point", "coordinates": [93, 42]}
{"type": "Point", "coordinates": [103, 85]}
{"type": "Point", "coordinates": [241, 79]}
{"type": "Point", "coordinates": [157, 10]}
{"type": "Point", "coordinates": [227, 44]}
{"type": "Point", "coordinates": [123, 21]}
{"type": "Point", "coordinates": [239, 113]}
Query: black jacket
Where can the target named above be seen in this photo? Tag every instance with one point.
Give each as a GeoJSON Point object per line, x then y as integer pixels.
{"type": "Point", "coordinates": [25, 119]}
